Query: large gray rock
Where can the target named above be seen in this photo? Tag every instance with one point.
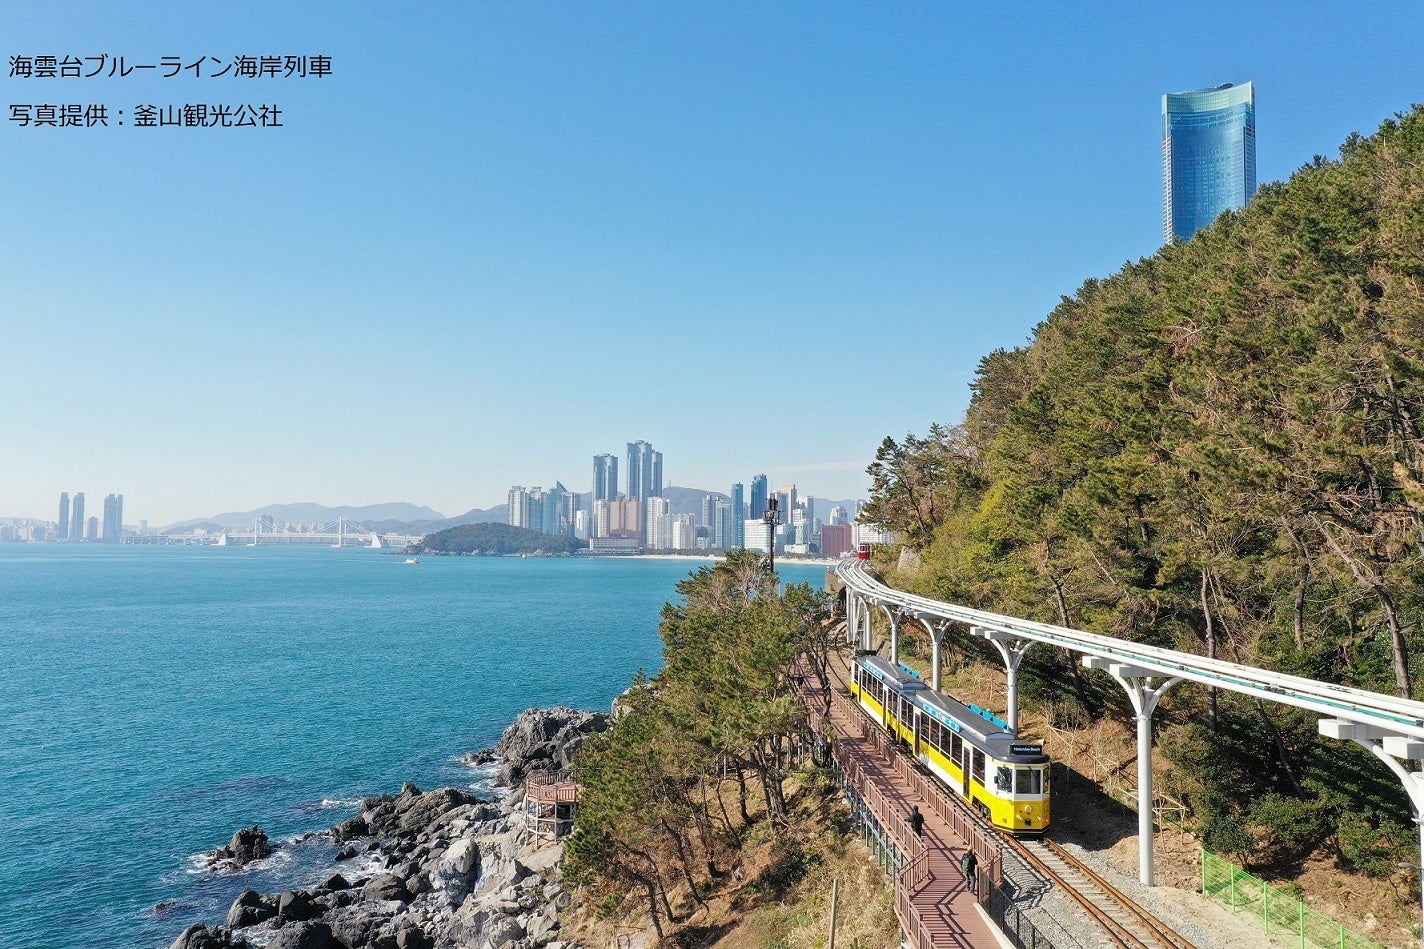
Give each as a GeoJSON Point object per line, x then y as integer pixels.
{"type": "Point", "coordinates": [200, 936]}
{"type": "Point", "coordinates": [424, 810]}
{"type": "Point", "coordinates": [456, 871]}
{"type": "Point", "coordinates": [437, 869]}
{"type": "Point", "coordinates": [249, 909]}
{"type": "Point", "coordinates": [544, 739]}
{"type": "Point", "coordinates": [387, 886]}
{"type": "Point", "coordinates": [502, 929]}
{"type": "Point", "coordinates": [296, 906]}
{"type": "Point", "coordinates": [247, 845]}
{"type": "Point", "coordinates": [362, 924]}
{"type": "Point", "coordinates": [306, 935]}
{"type": "Point", "coordinates": [412, 937]}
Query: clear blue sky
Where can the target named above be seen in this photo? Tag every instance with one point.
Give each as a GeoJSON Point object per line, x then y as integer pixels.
{"type": "Point", "coordinates": [502, 238]}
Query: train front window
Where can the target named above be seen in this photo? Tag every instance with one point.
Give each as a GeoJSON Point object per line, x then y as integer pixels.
{"type": "Point", "coordinates": [1002, 780]}
{"type": "Point", "coordinates": [1028, 781]}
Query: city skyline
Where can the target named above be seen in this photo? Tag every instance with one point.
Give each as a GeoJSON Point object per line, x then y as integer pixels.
{"type": "Point", "coordinates": [766, 235]}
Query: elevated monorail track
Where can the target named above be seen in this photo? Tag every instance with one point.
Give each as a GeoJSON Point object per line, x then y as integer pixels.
{"type": "Point", "coordinates": [1400, 716]}
{"type": "Point", "coordinates": [1390, 728]}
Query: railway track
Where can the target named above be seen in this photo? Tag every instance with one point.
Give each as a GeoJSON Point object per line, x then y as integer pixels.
{"type": "Point", "coordinates": [1123, 922]}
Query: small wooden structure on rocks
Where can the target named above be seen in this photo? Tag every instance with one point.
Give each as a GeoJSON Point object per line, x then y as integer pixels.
{"type": "Point", "coordinates": [550, 803]}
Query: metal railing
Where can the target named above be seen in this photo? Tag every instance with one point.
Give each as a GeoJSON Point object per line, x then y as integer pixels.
{"type": "Point", "coordinates": [1282, 917]}
{"type": "Point", "coordinates": [552, 787]}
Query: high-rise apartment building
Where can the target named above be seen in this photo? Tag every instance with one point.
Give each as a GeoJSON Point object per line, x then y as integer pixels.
{"type": "Point", "coordinates": [619, 518]}
{"type": "Point", "coordinates": [759, 495]}
{"type": "Point", "coordinates": [787, 494]}
{"type": "Point", "coordinates": [63, 531]}
{"type": "Point", "coordinates": [1208, 156]}
{"type": "Point", "coordinates": [518, 506]}
{"type": "Point", "coordinates": [557, 511]}
{"type": "Point", "coordinates": [113, 518]}
{"type": "Point", "coordinates": [739, 514]}
{"type": "Point", "coordinates": [645, 471]}
{"type": "Point", "coordinates": [724, 535]}
{"type": "Point", "coordinates": [659, 520]}
{"type": "Point", "coordinates": [756, 535]}
{"type": "Point", "coordinates": [684, 532]}
{"type": "Point", "coordinates": [76, 517]}
{"type": "Point", "coordinates": [605, 477]}
{"type": "Point", "coordinates": [549, 512]}
{"type": "Point", "coordinates": [835, 539]}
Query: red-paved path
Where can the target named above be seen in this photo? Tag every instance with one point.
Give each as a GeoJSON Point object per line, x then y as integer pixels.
{"type": "Point", "coordinates": [935, 907]}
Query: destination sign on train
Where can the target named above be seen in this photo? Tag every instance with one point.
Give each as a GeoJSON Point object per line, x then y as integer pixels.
{"type": "Point", "coordinates": [1017, 749]}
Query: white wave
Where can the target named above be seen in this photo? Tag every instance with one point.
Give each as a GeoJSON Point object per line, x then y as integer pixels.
{"type": "Point", "coordinates": [363, 866]}
{"type": "Point", "coordinates": [200, 864]}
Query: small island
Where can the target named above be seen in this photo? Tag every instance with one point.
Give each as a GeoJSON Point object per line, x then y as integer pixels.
{"type": "Point", "coordinates": [495, 540]}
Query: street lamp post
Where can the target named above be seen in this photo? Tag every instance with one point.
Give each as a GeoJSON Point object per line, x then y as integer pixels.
{"type": "Point", "coordinates": [771, 518]}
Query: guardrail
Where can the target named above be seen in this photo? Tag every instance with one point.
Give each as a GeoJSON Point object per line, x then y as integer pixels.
{"type": "Point", "coordinates": [985, 845]}
{"type": "Point", "coordinates": [1010, 919]}
{"type": "Point", "coordinates": [1282, 917]}
{"type": "Point", "coordinates": [552, 787]}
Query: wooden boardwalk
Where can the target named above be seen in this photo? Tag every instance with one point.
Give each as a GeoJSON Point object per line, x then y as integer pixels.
{"type": "Point", "coordinates": [935, 907]}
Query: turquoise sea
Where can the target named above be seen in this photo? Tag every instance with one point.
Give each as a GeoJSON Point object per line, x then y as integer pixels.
{"type": "Point", "coordinates": [155, 699]}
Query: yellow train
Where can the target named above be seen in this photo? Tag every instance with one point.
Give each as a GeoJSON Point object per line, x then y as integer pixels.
{"type": "Point", "coordinates": [972, 752]}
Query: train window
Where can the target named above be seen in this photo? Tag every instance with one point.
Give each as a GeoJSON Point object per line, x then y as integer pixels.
{"type": "Point", "coordinates": [978, 765]}
{"type": "Point", "coordinates": [1028, 781]}
{"type": "Point", "coordinates": [1003, 779]}
{"type": "Point", "coordinates": [956, 748]}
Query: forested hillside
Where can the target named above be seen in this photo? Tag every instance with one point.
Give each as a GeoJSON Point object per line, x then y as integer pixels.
{"type": "Point", "coordinates": [701, 808]}
{"type": "Point", "coordinates": [495, 540]}
{"type": "Point", "coordinates": [1216, 449]}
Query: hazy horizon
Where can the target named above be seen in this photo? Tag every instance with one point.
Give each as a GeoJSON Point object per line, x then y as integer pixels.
{"type": "Point", "coordinates": [131, 521]}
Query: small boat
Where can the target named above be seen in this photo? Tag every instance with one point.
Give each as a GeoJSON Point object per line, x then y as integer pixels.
{"type": "Point", "coordinates": [412, 560]}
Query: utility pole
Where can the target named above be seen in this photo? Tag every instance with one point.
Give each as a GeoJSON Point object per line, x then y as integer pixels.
{"type": "Point", "coordinates": [771, 518]}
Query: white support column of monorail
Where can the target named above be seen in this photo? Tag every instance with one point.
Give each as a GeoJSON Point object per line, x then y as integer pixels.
{"type": "Point", "coordinates": [849, 616]}
{"type": "Point", "coordinates": [1012, 648]}
{"type": "Point", "coordinates": [937, 628]}
{"type": "Point", "coordinates": [1144, 696]}
{"type": "Point", "coordinates": [1387, 748]}
{"type": "Point", "coordinates": [859, 628]}
{"type": "Point", "coordinates": [853, 611]}
{"type": "Point", "coordinates": [894, 617]}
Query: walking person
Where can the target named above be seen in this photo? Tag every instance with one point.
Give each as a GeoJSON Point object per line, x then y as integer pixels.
{"type": "Point", "coordinates": [970, 864]}
{"type": "Point", "coordinates": [917, 821]}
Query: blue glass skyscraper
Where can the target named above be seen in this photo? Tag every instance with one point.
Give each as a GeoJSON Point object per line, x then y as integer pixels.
{"type": "Point", "coordinates": [759, 495]}
{"type": "Point", "coordinates": [1208, 156]}
{"type": "Point", "coordinates": [739, 516]}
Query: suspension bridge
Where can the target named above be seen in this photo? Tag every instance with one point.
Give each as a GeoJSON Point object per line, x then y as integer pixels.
{"type": "Point", "coordinates": [266, 531]}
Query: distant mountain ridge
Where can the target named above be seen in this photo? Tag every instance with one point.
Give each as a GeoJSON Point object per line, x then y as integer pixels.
{"type": "Point", "coordinates": [395, 511]}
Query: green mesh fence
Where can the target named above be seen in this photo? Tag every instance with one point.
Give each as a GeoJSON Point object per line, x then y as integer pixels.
{"type": "Point", "coordinates": [1282, 917]}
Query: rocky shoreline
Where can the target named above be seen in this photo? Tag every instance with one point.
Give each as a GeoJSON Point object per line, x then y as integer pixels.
{"type": "Point", "coordinates": [440, 869]}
